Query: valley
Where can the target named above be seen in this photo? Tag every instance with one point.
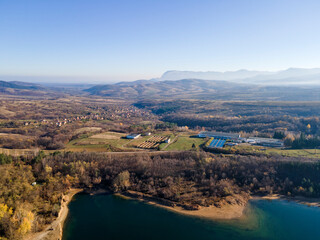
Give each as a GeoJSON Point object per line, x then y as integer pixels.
{"type": "Point", "coordinates": [182, 150]}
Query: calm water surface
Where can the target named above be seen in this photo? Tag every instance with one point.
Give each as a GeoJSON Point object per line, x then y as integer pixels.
{"type": "Point", "coordinates": [111, 217]}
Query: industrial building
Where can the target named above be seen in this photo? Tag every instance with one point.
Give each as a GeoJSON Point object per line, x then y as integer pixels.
{"type": "Point", "coordinates": [219, 140]}
{"type": "Point", "coordinates": [267, 142]}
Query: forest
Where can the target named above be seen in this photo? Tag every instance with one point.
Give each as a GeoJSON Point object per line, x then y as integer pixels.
{"type": "Point", "coordinates": [32, 187]}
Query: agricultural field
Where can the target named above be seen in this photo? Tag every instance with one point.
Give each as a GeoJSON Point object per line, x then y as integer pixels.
{"type": "Point", "coordinates": [152, 142]}
{"type": "Point", "coordinates": [87, 129]}
{"type": "Point", "coordinates": [106, 142]}
{"type": "Point", "coordinates": [19, 152]}
{"type": "Point", "coordinates": [102, 142]}
{"type": "Point", "coordinates": [113, 141]}
{"type": "Point", "coordinates": [308, 153]}
{"type": "Point", "coordinates": [108, 136]}
{"type": "Point", "coordinates": [184, 143]}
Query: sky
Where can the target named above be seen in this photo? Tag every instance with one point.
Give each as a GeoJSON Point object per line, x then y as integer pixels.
{"type": "Point", "coordinates": [124, 40]}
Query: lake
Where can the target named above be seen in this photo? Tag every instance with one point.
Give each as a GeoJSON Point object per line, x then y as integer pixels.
{"type": "Point", "coordinates": [112, 217]}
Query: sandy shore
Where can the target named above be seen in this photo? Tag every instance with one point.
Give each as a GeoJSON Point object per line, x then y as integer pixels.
{"type": "Point", "coordinates": [54, 230]}
{"type": "Point", "coordinates": [226, 212]}
{"type": "Point", "coordinates": [315, 202]}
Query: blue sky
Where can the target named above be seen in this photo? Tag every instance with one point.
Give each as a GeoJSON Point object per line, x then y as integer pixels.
{"type": "Point", "coordinates": [113, 40]}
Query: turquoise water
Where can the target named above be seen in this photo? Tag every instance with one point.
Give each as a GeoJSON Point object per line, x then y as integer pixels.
{"type": "Point", "coordinates": [112, 217]}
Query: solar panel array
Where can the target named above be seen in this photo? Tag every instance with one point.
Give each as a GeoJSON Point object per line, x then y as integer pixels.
{"type": "Point", "coordinates": [217, 143]}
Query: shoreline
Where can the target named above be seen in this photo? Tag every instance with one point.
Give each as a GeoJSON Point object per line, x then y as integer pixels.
{"type": "Point", "coordinates": [312, 202]}
{"type": "Point", "coordinates": [54, 230]}
{"type": "Point", "coordinates": [226, 212]}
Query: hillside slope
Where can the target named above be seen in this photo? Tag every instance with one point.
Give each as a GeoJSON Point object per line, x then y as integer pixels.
{"type": "Point", "coordinates": [204, 89]}
{"type": "Point", "coordinates": [21, 88]}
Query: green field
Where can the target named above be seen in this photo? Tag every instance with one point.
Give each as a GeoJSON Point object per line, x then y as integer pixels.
{"type": "Point", "coordinates": [309, 153]}
{"type": "Point", "coordinates": [98, 142]}
{"type": "Point", "coordinates": [185, 143]}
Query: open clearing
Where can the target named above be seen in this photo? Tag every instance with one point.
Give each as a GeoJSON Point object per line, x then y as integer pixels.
{"type": "Point", "coordinates": [308, 153]}
{"type": "Point", "coordinates": [11, 135]}
{"type": "Point", "coordinates": [102, 142]}
{"type": "Point", "coordinates": [87, 129]}
{"type": "Point", "coordinates": [6, 113]}
{"type": "Point", "coordinates": [108, 135]}
{"type": "Point", "coordinates": [184, 143]}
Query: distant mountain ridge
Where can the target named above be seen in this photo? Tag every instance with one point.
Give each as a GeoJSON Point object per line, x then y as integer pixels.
{"type": "Point", "coordinates": [295, 76]}
{"type": "Point", "coordinates": [211, 75]}
{"type": "Point", "coordinates": [161, 89]}
{"type": "Point", "coordinates": [204, 89]}
{"type": "Point", "coordinates": [294, 84]}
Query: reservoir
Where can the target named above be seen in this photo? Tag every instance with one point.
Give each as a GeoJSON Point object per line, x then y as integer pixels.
{"type": "Point", "coordinates": [112, 217]}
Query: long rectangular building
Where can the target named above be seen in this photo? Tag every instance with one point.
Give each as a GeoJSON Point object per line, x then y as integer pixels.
{"type": "Point", "coordinates": [267, 142]}
{"type": "Point", "coordinates": [219, 135]}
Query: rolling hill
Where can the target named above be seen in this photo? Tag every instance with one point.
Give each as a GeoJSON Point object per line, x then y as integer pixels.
{"type": "Point", "coordinates": [21, 88]}
{"type": "Point", "coordinates": [204, 89]}
{"type": "Point", "coordinates": [163, 89]}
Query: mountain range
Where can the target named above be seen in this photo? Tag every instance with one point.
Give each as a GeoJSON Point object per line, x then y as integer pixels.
{"type": "Point", "coordinates": [204, 89]}
{"type": "Point", "coordinates": [294, 84]}
{"type": "Point", "coordinates": [291, 76]}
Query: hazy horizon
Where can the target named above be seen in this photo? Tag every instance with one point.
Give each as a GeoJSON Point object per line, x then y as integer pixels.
{"type": "Point", "coordinates": [116, 79]}
{"type": "Point", "coordinates": [112, 41]}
